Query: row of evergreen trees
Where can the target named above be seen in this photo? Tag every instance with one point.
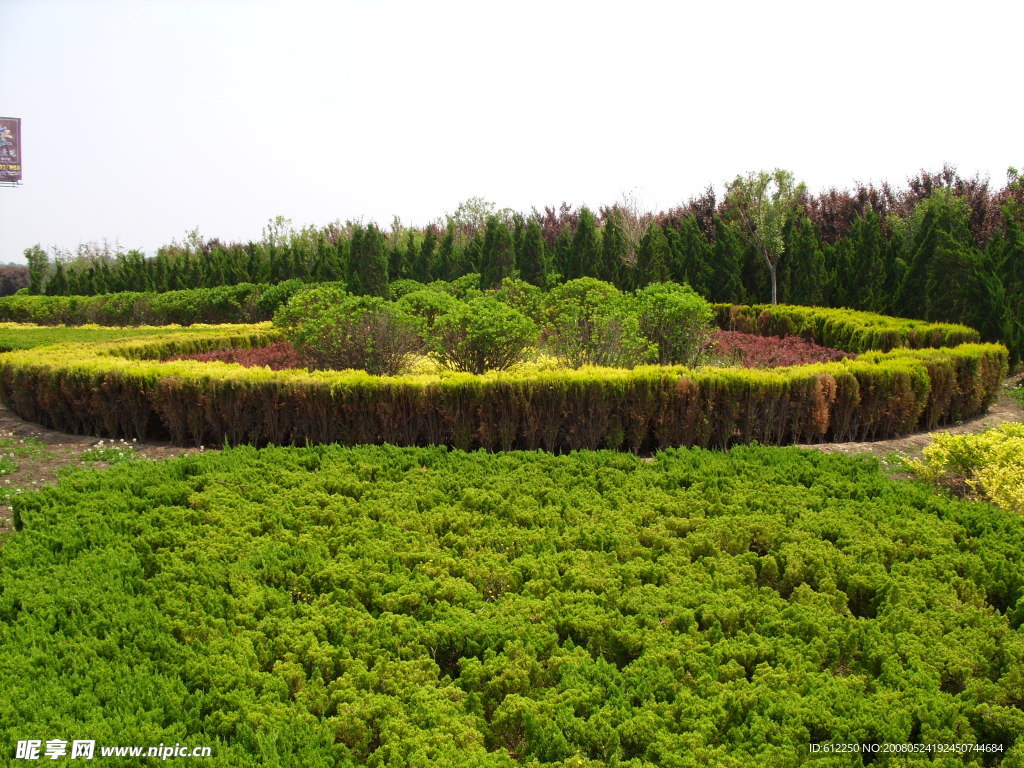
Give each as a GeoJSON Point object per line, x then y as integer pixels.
{"type": "Point", "coordinates": [929, 262]}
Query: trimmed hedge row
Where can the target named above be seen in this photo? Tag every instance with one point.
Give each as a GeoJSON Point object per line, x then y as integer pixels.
{"type": "Point", "coordinates": [115, 389]}
{"type": "Point", "coordinates": [242, 303]}
{"type": "Point", "coordinates": [845, 329]}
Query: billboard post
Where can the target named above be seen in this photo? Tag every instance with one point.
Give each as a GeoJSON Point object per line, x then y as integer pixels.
{"type": "Point", "coordinates": [10, 151]}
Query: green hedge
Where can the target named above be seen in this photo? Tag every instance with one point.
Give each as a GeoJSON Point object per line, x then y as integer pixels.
{"type": "Point", "coordinates": [845, 329]}
{"type": "Point", "coordinates": [116, 389]}
{"type": "Point", "coordinates": [245, 302]}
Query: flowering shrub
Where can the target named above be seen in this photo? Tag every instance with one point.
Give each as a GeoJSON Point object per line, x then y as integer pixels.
{"type": "Point", "coordinates": [753, 351]}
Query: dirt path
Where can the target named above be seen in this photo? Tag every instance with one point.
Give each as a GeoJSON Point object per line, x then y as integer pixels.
{"type": "Point", "coordinates": [1004, 409]}
{"type": "Point", "coordinates": [38, 453]}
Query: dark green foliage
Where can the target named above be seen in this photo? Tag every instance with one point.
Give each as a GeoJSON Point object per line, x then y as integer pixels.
{"type": "Point", "coordinates": [867, 276]}
{"type": "Point", "coordinates": [728, 258]}
{"type": "Point", "coordinates": [534, 264]}
{"type": "Point", "coordinates": [423, 264]}
{"type": "Point", "coordinates": [614, 252]}
{"type": "Point", "coordinates": [359, 332]}
{"type": "Point", "coordinates": [332, 608]}
{"type": "Point", "coordinates": [368, 265]}
{"type": "Point", "coordinates": [677, 320]}
{"type": "Point", "coordinates": [592, 323]}
{"type": "Point", "coordinates": [482, 334]}
{"type": "Point", "coordinates": [653, 257]}
{"type": "Point", "coordinates": [498, 259]}
{"type": "Point", "coordinates": [802, 273]}
{"type": "Point", "coordinates": [584, 256]}
{"type": "Point", "coordinates": [447, 265]}
{"type": "Point", "coordinates": [694, 257]}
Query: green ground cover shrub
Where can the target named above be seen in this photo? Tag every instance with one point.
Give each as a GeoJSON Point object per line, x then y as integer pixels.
{"type": "Point", "coordinates": [406, 607]}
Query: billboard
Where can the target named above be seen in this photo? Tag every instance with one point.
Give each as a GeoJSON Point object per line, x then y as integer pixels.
{"type": "Point", "coordinates": [10, 149]}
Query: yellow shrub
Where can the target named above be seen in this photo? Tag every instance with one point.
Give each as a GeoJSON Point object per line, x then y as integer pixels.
{"type": "Point", "coordinates": [991, 463]}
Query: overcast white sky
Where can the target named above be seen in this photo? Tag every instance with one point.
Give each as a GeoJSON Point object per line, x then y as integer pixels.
{"type": "Point", "coordinates": [143, 119]}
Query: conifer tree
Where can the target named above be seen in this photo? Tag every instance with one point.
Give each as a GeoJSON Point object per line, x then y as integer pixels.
{"type": "Point", "coordinates": [446, 267]}
{"type": "Point", "coordinates": [424, 259]}
{"type": "Point", "coordinates": [695, 254]}
{"type": "Point", "coordinates": [57, 284]}
{"type": "Point", "coordinates": [653, 256]}
{"type": "Point", "coordinates": [373, 263]}
{"type": "Point", "coordinates": [498, 259]}
{"type": "Point", "coordinates": [585, 249]}
{"type": "Point", "coordinates": [471, 256]}
{"type": "Point", "coordinates": [867, 273]}
{"type": "Point", "coordinates": [560, 251]}
{"type": "Point", "coordinates": [803, 271]}
{"type": "Point", "coordinates": [728, 260]}
{"type": "Point", "coordinates": [614, 248]}
{"type": "Point", "coordinates": [534, 265]}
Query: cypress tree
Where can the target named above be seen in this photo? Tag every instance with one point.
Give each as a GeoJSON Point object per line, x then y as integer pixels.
{"type": "Point", "coordinates": [424, 259]}
{"type": "Point", "coordinates": [446, 266]}
{"type": "Point", "coordinates": [839, 272]}
{"type": "Point", "coordinates": [534, 264]}
{"type": "Point", "coordinates": [867, 273]}
{"type": "Point", "coordinates": [498, 259]}
{"type": "Point", "coordinates": [653, 256]}
{"type": "Point", "coordinates": [728, 259]}
{"type": "Point", "coordinates": [470, 258]}
{"type": "Point", "coordinates": [585, 249]}
{"type": "Point", "coordinates": [57, 284]}
{"type": "Point", "coordinates": [560, 251]}
{"type": "Point", "coordinates": [942, 255]}
{"type": "Point", "coordinates": [355, 253]}
{"type": "Point", "coordinates": [695, 254]}
{"type": "Point", "coordinates": [372, 267]}
{"type": "Point", "coordinates": [160, 275]}
{"type": "Point", "coordinates": [803, 271]}
{"type": "Point", "coordinates": [614, 249]}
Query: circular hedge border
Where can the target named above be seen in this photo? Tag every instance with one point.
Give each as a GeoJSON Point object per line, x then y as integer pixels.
{"type": "Point", "coordinates": [121, 389]}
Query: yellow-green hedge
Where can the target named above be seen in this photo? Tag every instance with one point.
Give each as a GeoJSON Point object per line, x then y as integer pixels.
{"type": "Point", "coordinates": [119, 389]}
{"type": "Point", "coordinates": [846, 329]}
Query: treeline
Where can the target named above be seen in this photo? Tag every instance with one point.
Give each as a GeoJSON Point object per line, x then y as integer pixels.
{"type": "Point", "coordinates": [943, 249]}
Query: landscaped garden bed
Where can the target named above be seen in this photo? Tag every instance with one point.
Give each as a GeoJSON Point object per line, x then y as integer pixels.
{"type": "Point", "coordinates": [332, 606]}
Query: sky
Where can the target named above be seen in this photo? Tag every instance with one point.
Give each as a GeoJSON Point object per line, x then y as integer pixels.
{"type": "Point", "coordinates": [143, 120]}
